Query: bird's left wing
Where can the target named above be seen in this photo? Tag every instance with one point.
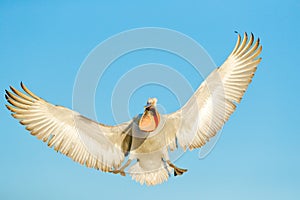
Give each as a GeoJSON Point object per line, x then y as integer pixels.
{"type": "Point", "coordinates": [215, 100]}
{"type": "Point", "coordinates": [85, 141]}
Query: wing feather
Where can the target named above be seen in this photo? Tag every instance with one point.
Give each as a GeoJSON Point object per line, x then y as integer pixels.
{"type": "Point", "coordinates": [215, 100]}
{"type": "Point", "coordinates": [85, 141]}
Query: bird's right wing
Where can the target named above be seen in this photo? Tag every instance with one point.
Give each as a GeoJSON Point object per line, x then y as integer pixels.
{"type": "Point", "coordinates": [85, 141]}
{"type": "Point", "coordinates": [215, 100]}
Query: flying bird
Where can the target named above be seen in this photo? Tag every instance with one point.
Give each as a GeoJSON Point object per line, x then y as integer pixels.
{"type": "Point", "coordinates": [142, 144]}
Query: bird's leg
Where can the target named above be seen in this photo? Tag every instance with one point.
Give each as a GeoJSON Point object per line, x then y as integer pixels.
{"type": "Point", "coordinates": [121, 170]}
{"type": "Point", "coordinates": [177, 171]}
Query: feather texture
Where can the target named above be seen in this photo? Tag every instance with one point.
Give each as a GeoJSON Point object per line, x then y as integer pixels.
{"type": "Point", "coordinates": [85, 141]}
{"type": "Point", "coordinates": [215, 100]}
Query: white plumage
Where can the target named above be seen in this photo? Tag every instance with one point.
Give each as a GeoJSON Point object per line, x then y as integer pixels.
{"type": "Point", "coordinates": [147, 137]}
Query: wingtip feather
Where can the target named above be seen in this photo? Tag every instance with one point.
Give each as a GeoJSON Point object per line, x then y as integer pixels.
{"type": "Point", "coordinates": [29, 92]}
{"type": "Point", "coordinates": [8, 107]}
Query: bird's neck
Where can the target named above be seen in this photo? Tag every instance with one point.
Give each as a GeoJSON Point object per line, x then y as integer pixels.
{"type": "Point", "coordinates": [149, 120]}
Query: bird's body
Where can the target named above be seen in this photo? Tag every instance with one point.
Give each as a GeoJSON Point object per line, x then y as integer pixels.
{"type": "Point", "coordinates": [149, 137]}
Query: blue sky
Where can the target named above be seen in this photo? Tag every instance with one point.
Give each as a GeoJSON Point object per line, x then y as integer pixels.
{"type": "Point", "coordinates": [44, 44]}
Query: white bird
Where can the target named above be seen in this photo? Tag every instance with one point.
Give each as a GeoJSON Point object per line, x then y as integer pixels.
{"type": "Point", "coordinates": [148, 137]}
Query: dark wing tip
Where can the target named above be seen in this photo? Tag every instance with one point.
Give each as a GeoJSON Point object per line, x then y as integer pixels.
{"type": "Point", "coordinates": [13, 90]}
{"type": "Point", "coordinates": [29, 92]}
{"type": "Point", "coordinates": [8, 107]}
{"type": "Point", "coordinates": [22, 85]}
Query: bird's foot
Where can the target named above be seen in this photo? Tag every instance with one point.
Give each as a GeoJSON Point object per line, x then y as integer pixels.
{"type": "Point", "coordinates": [121, 170]}
{"type": "Point", "coordinates": [117, 171]}
{"type": "Point", "coordinates": [177, 170]}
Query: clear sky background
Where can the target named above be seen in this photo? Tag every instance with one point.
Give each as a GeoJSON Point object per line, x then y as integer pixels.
{"type": "Point", "coordinates": [257, 156]}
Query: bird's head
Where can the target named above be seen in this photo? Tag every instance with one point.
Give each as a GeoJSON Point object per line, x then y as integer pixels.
{"type": "Point", "coordinates": [151, 104]}
{"type": "Point", "coordinates": [150, 118]}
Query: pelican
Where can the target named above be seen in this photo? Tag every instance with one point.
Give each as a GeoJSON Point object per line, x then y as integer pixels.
{"type": "Point", "coordinates": [142, 144]}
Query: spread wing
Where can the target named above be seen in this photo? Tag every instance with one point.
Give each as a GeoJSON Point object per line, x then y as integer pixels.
{"type": "Point", "coordinates": [85, 141]}
{"type": "Point", "coordinates": [215, 100]}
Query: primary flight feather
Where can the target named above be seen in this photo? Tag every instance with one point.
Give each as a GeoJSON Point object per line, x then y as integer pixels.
{"type": "Point", "coordinates": [148, 136]}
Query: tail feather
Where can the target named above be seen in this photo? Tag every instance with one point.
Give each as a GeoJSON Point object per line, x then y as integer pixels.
{"type": "Point", "coordinates": [149, 177]}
